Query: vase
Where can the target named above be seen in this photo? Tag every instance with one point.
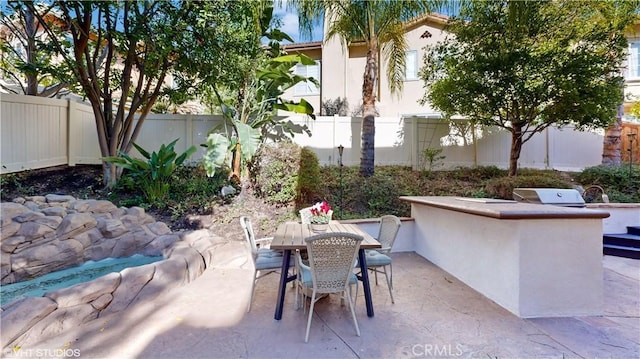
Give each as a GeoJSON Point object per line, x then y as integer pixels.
{"type": "Point", "coordinates": [319, 227]}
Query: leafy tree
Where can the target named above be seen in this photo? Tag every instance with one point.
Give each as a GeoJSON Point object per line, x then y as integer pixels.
{"type": "Point", "coordinates": [123, 53]}
{"type": "Point", "coordinates": [334, 107]}
{"type": "Point", "coordinates": [379, 24]}
{"type": "Point", "coordinates": [27, 61]}
{"type": "Point", "coordinates": [249, 118]}
{"type": "Point", "coordinates": [525, 66]}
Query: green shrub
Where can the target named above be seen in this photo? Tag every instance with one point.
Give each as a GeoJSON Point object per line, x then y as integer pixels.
{"type": "Point", "coordinates": [368, 197]}
{"type": "Point", "coordinates": [620, 183]}
{"type": "Point", "coordinates": [193, 182]}
{"type": "Point", "coordinates": [502, 187]}
{"type": "Point", "coordinates": [274, 172]}
{"type": "Point", "coordinates": [307, 189]}
{"type": "Point", "coordinates": [190, 191]}
{"type": "Point", "coordinates": [477, 173]}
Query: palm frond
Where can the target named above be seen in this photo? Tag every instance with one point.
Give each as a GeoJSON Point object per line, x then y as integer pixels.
{"type": "Point", "coordinates": [394, 50]}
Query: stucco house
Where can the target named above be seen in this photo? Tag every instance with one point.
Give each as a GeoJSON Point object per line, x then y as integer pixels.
{"type": "Point", "coordinates": [339, 72]}
{"type": "Point", "coordinates": [632, 72]}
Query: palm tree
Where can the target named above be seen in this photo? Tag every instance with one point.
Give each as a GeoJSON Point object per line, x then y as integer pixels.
{"type": "Point", "coordinates": [612, 142]}
{"type": "Point", "coordinates": [379, 25]}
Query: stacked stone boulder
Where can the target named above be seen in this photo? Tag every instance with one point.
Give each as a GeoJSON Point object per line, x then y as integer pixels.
{"type": "Point", "coordinates": [42, 234]}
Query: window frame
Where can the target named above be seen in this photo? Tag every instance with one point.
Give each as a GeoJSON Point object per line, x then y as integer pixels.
{"type": "Point", "coordinates": [310, 88]}
{"type": "Point", "coordinates": [414, 71]}
{"type": "Point", "coordinates": [633, 60]}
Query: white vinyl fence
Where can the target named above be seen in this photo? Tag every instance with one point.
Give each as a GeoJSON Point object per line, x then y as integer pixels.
{"type": "Point", "coordinates": [38, 132]}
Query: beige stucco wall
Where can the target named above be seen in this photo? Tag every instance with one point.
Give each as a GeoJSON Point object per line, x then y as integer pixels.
{"type": "Point", "coordinates": [532, 267]}
{"type": "Point", "coordinates": [342, 72]}
{"type": "Point", "coordinates": [407, 102]}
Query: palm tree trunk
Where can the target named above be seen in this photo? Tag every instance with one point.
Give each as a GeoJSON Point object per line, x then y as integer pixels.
{"type": "Point", "coordinates": [367, 158]}
{"type": "Point", "coordinates": [612, 143]}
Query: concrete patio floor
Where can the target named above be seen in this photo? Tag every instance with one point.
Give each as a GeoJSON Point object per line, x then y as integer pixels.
{"type": "Point", "coordinates": [434, 316]}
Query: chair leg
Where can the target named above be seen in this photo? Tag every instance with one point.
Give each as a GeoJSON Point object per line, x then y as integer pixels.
{"type": "Point", "coordinates": [313, 302]}
{"type": "Point", "coordinates": [253, 287]}
{"type": "Point", "coordinates": [388, 284]}
{"type": "Point", "coordinates": [304, 299]}
{"type": "Point", "coordinates": [355, 299]}
{"type": "Point", "coordinates": [344, 294]}
{"type": "Point", "coordinates": [351, 306]}
{"type": "Point", "coordinates": [391, 274]}
{"type": "Point", "coordinates": [297, 304]}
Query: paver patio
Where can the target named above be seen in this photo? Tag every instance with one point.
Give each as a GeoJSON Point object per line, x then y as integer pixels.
{"type": "Point", "coordinates": [435, 315]}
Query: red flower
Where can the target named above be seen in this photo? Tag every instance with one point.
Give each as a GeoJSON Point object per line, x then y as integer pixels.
{"type": "Point", "coordinates": [320, 208]}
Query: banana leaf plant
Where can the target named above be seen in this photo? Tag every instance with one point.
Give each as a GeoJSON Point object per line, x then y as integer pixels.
{"type": "Point", "coordinates": [253, 120]}
{"type": "Point", "coordinates": [153, 175]}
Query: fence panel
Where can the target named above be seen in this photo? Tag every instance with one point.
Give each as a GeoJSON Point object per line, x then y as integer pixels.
{"type": "Point", "coordinates": [83, 136]}
{"type": "Point", "coordinates": [34, 132]}
{"type": "Point", "coordinates": [571, 150]}
{"type": "Point", "coordinates": [630, 149]}
{"type": "Point", "coordinates": [39, 132]}
{"type": "Point", "coordinates": [190, 130]}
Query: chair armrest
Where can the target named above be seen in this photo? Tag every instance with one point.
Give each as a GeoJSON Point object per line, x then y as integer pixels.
{"type": "Point", "coordinates": [264, 242]}
{"type": "Point", "coordinates": [300, 262]}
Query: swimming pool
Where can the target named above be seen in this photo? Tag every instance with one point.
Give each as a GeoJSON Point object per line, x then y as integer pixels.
{"type": "Point", "coordinates": [88, 271]}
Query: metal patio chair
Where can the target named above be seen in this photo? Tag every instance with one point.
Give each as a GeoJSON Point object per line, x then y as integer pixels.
{"type": "Point", "coordinates": [378, 260]}
{"type": "Point", "coordinates": [265, 261]}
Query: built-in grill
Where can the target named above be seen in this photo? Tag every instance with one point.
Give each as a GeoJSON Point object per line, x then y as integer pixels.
{"type": "Point", "coordinates": [553, 196]}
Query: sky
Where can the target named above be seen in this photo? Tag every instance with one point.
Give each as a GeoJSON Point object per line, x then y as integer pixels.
{"type": "Point", "coordinates": [290, 25]}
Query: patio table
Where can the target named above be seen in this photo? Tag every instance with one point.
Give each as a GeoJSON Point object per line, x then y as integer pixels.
{"type": "Point", "coordinates": [290, 236]}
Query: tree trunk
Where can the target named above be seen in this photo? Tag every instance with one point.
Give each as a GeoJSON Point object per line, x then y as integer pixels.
{"type": "Point", "coordinates": [30, 32]}
{"type": "Point", "coordinates": [516, 148]}
{"type": "Point", "coordinates": [236, 163]}
{"type": "Point", "coordinates": [367, 159]}
{"type": "Point", "coordinates": [109, 173]}
{"type": "Point", "coordinates": [612, 143]}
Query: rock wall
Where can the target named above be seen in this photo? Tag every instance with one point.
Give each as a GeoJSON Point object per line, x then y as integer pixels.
{"type": "Point", "coordinates": [44, 234]}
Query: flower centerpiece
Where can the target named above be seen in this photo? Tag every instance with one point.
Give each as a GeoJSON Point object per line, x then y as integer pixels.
{"type": "Point", "coordinates": [320, 216]}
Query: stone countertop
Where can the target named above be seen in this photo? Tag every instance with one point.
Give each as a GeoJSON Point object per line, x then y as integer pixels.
{"type": "Point", "coordinates": [504, 209]}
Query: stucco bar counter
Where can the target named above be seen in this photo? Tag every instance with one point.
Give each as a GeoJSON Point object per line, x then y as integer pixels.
{"type": "Point", "coordinates": [534, 260]}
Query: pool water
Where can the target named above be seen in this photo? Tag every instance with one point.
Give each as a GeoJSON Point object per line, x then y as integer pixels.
{"type": "Point", "coordinates": [88, 271]}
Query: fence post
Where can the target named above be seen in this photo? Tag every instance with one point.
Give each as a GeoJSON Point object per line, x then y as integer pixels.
{"type": "Point", "coordinates": [415, 157]}
{"type": "Point", "coordinates": [189, 131]}
{"type": "Point", "coordinates": [73, 132]}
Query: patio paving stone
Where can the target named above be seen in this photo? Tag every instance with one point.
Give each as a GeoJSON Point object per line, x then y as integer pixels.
{"type": "Point", "coordinates": [435, 315]}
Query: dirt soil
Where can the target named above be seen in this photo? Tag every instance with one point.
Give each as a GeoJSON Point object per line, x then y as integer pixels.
{"type": "Point", "coordinates": [85, 182]}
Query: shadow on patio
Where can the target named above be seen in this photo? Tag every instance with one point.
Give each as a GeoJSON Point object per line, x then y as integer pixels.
{"type": "Point", "coordinates": [435, 315]}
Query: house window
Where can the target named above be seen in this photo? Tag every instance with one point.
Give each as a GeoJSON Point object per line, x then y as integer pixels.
{"type": "Point", "coordinates": [634, 60]}
{"type": "Point", "coordinates": [411, 63]}
{"type": "Point", "coordinates": [308, 88]}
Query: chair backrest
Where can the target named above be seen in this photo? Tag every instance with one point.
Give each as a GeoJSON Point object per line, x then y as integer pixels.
{"type": "Point", "coordinates": [305, 215]}
{"type": "Point", "coordinates": [332, 256]}
{"type": "Point", "coordinates": [247, 228]}
{"type": "Point", "coordinates": [389, 227]}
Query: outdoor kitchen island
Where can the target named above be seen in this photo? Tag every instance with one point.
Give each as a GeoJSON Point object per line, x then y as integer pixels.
{"type": "Point", "coordinates": [534, 260]}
